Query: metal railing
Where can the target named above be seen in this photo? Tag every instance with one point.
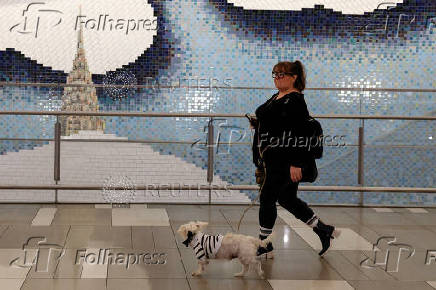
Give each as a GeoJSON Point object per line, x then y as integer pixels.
{"type": "Point", "coordinates": [210, 138]}
{"type": "Point", "coordinates": [158, 85]}
{"type": "Point", "coordinates": [210, 144]}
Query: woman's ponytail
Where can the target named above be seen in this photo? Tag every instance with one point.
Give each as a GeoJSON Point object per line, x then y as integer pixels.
{"type": "Point", "coordinates": [300, 81]}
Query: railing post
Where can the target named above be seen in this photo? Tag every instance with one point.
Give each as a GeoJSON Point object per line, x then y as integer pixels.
{"type": "Point", "coordinates": [57, 156]}
{"type": "Point", "coordinates": [210, 146]}
{"type": "Point", "coordinates": [360, 162]}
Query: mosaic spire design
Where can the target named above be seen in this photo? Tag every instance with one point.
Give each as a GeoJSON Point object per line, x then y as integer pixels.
{"type": "Point", "coordinates": [80, 98]}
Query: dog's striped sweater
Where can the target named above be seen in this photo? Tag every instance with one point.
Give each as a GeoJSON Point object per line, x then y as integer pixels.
{"type": "Point", "coordinates": [206, 246]}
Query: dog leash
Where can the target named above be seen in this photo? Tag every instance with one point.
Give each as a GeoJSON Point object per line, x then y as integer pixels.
{"type": "Point", "coordinates": [261, 186]}
{"type": "Point", "coordinates": [253, 202]}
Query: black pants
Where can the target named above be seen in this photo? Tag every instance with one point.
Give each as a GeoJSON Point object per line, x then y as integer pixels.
{"type": "Point", "coordinates": [278, 186]}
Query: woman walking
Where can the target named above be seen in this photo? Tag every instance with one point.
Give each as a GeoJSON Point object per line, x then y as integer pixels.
{"type": "Point", "coordinates": [280, 121]}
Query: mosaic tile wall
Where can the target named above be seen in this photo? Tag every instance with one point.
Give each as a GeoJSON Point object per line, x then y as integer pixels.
{"type": "Point", "coordinates": [202, 40]}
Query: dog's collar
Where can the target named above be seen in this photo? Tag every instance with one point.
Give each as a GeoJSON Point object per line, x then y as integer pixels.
{"type": "Point", "coordinates": [189, 239]}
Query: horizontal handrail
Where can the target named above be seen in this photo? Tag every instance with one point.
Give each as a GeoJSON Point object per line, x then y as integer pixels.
{"type": "Point", "coordinates": [200, 143]}
{"type": "Point", "coordinates": [18, 84]}
{"type": "Point", "coordinates": [220, 187]}
{"type": "Point", "coordinates": [115, 141]}
{"type": "Point", "coordinates": [205, 115]}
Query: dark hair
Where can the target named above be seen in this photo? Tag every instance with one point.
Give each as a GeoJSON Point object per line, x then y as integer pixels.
{"type": "Point", "coordinates": [295, 68]}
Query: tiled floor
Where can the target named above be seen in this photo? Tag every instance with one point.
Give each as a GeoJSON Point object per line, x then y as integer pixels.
{"type": "Point", "coordinates": [99, 247]}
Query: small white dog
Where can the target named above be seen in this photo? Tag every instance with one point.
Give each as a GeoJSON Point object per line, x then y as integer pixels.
{"type": "Point", "coordinates": [228, 247]}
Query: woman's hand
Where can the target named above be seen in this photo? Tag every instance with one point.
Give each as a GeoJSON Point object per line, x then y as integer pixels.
{"type": "Point", "coordinates": [296, 173]}
{"type": "Point", "coordinates": [253, 121]}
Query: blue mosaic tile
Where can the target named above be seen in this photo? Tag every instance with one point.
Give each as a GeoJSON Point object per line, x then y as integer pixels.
{"type": "Point", "coordinates": [214, 39]}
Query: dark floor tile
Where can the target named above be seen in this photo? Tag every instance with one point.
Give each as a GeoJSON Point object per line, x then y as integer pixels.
{"type": "Point", "coordinates": [83, 216]}
{"type": "Point", "coordinates": [152, 237]}
{"type": "Point", "coordinates": [64, 284]}
{"type": "Point", "coordinates": [17, 215]}
{"type": "Point", "coordinates": [381, 219]}
{"type": "Point", "coordinates": [420, 267]}
{"type": "Point", "coordinates": [150, 263]}
{"type": "Point", "coordinates": [147, 284]}
{"type": "Point", "coordinates": [373, 273]}
{"type": "Point", "coordinates": [283, 237]}
{"type": "Point", "coordinates": [18, 235]}
{"type": "Point", "coordinates": [389, 285]}
{"type": "Point", "coordinates": [422, 219]}
{"type": "Point", "coordinates": [99, 237]}
{"type": "Point", "coordinates": [227, 284]}
{"type": "Point", "coordinates": [419, 238]}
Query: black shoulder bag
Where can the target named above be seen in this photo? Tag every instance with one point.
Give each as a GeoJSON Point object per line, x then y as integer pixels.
{"type": "Point", "coordinates": [315, 150]}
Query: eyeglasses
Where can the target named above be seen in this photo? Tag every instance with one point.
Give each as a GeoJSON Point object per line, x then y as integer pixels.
{"type": "Point", "coordinates": [279, 75]}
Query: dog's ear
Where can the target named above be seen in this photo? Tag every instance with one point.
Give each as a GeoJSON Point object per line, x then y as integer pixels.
{"type": "Point", "coordinates": [182, 231]}
{"type": "Point", "coordinates": [201, 224]}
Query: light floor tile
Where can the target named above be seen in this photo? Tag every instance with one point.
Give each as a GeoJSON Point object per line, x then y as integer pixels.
{"type": "Point", "coordinates": [152, 284]}
{"type": "Point", "coordinates": [103, 205]}
{"type": "Point", "coordinates": [310, 285]}
{"type": "Point", "coordinates": [349, 240]}
{"type": "Point", "coordinates": [417, 210]}
{"type": "Point", "coordinates": [132, 205]}
{"type": "Point", "coordinates": [140, 217]}
{"type": "Point", "coordinates": [290, 220]}
{"type": "Point", "coordinates": [138, 205]}
{"type": "Point", "coordinates": [11, 284]}
{"type": "Point", "coordinates": [92, 269]}
{"type": "Point", "coordinates": [382, 209]}
{"type": "Point", "coordinates": [44, 217]}
{"type": "Point", "coordinates": [432, 284]}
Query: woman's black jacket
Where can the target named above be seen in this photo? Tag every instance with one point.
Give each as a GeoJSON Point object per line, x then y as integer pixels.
{"type": "Point", "coordinates": [282, 132]}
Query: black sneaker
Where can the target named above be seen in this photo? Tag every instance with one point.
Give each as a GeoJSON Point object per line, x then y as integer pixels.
{"type": "Point", "coordinates": [326, 233]}
{"type": "Point", "coordinates": [263, 251]}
